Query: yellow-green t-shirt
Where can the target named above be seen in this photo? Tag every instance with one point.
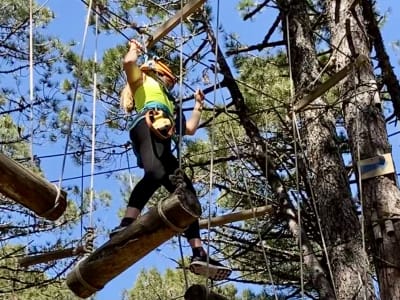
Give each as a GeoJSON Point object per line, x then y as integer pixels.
{"type": "Point", "coordinates": [151, 91]}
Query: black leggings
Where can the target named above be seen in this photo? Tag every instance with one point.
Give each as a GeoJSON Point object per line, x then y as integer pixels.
{"type": "Point", "coordinates": [158, 163]}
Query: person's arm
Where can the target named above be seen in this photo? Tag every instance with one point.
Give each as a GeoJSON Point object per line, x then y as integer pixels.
{"type": "Point", "coordinates": [131, 69]}
{"type": "Point", "coordinates": [193, 122]}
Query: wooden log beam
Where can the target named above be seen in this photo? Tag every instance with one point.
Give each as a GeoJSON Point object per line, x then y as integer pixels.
{"type": "Point", "coordinates": [237, 216]}
{"type": "Point", "coordinates": [165, 28]}
{"type": "Point", "coordinates": [325, 86]}
{"type": "Point", "coordinates": [30, 190]}
{"type": "Point", "coordinates": [127, 247]}
{"type": "Point", "coordinates": [201, 292]}
{"type": "Point", "coordinates": [50, 256]}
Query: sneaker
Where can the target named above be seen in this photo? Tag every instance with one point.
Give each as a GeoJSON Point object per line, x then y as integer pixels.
{"type": "Point", "coordinates": [213, 269]}
{"type": "Point", "coordinates": [116, 230]}
{"type": "Point", "coordinates": [125, 222]}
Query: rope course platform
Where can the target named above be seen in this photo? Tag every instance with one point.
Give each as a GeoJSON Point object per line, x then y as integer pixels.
{"type": "Point", "coordinates": [328, 84]}
{"type": "Point", "coordinates": [166, 27]}
{"type": "Point", "coordinates": [30, 190]}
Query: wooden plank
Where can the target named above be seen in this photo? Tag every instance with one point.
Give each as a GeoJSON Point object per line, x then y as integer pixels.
{"type": "Point", "coordinates": [332, 81]}
{"type": "Point", "coordinates": [237, 216]}
{"type": "Point", "coordinates": [376, 166]}
{"type": "Point", "coordinates": [165, 28]}
{"type": "Point", "coordinates": [201, 292]}
{"type": "Point", "coordinates": [30, 190]}
{"type": "Point", "coordinates": [50, 256]}
{"type": "Point", "coordinates": [130, 245]}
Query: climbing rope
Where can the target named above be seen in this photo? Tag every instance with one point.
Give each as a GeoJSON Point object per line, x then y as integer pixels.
{"type": "Point", "coordinates": [75, 95]}
{"type": "Point", "coordinates": [296, 158]}
{"type": "Point", "coordinates": [360, 185]}
{"type": "Point", "coordinates": [31, 87]}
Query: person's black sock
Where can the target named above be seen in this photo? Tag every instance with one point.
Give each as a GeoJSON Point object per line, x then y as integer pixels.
{"type": "Point", "coordinates": [198, 252]}
{"type": "Point", "coordinates": [126, 221]}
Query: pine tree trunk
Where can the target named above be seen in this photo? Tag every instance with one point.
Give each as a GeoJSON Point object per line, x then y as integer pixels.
{"type": "Point", "coordinates": [329, 182]}
{"type": "Point", "coordinates": [366, 129]}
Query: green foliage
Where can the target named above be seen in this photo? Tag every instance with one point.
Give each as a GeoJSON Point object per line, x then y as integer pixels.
{"type": "Point", "coordinates": [22, 284]}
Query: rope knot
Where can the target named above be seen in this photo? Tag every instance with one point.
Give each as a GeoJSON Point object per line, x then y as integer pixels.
{"type": "Point", "coordinates": [88, 240]}
{"type": "Point", "coordinates": [178, 179]}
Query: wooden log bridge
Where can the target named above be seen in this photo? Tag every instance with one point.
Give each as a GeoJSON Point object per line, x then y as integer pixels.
{"type": "Point", "coordinates": [153, 228]}
{"type": "Point", "coordinates": [30, 190]}
{"type": "Point", "coordinates": [201, 292]}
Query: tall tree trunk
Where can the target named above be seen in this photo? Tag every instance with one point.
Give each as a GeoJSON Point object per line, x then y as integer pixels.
{"type": "Point", "coordinates": [339, 223]}
{"type": "Point", "coordinates": [366, 128]}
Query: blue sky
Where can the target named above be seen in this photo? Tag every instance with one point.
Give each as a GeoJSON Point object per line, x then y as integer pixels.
{"type": "Point", "coordinates": [69, 25]}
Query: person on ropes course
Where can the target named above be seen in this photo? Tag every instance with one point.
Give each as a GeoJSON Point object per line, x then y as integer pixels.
{"type": "Point", "coordinates": [151, 131]}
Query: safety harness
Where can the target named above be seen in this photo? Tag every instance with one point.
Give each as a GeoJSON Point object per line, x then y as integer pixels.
{"type": "Point", "coordinates": [157, 115]}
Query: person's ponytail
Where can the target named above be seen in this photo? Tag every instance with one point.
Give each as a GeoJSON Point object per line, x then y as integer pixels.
{"type": "Point", "coordinates": [127, 102]}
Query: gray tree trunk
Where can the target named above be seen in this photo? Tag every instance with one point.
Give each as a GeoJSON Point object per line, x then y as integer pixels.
{"type": "Point", "coordinates": [366, 128]}
{"type": "Point", "coordinates": [330, 186]}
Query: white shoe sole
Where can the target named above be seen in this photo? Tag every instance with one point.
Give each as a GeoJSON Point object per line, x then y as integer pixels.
{"type": "Point", "coordinates": [211, 271]}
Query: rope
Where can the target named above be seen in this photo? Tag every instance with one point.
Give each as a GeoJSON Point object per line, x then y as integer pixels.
{"type": "Point", "coordinates": [180, 133]}
{"type": "Point", "coordinates": [233, 137]}
{"type": "Point", "coordinates": [165, 219]}
{"type": "Point", "coordinates": [75, 94]}
{"type": "Point", "coordinates": [296, 157]}
{"type": "Point", "coordinates": [129, 168]}
{"type": "Point", "coordinates": [325, 249]}
{"type": "Point", "coordinates": [360, 187]}
{"type": "Point", "coordinates": [82, 281]}
{"type": "Point", "coordinates": [92, 161]}
{"type": "Point", "coordinates": [212, 139]}
{"type": "Point", "coordinates": [31, 87]}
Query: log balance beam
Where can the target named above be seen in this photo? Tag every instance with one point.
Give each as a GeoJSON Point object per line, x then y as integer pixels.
{"type": "Point", "coordinates": [30, 190]}
{"type": "Point", "coordinates": [201, 292]}
{"type": "Point", "coordinates": [27, 261]}
{"type": "Point", "coordinates": [237, 216]}
{"type": "Point", "coordinates": [153, 228]}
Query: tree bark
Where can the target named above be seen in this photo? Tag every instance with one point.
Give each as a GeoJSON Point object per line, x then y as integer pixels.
{"type": "Point", "coordinates": [366, 129]}
{"type": "Point", "coordinates": [329, 183]}
{"type": "Point", "coordinates": [30, 190]}
{"type": "Point", "coordinates": [148, 232]}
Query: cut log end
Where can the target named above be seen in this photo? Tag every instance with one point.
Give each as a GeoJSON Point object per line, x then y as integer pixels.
{"type": "Point", "coordinates": [78, 285]}
{"type": "Point", "coordinates": [58, 209]}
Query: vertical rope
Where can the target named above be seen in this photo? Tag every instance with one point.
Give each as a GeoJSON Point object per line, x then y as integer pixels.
{"type": "Point", "coordinates": [360, 185]}
{"type": "Point", "coordinates": [179, 146]}
{"type": "Point", "coordinates": [298, 141]}
{"type": "Point", "coordinates": [245, 182]}
{"type": "Point", "coordinates": [129, 170]}
{"type": "Point", "coordinates": [93, 152]}
{"type": "Point", "coordinates": [212, 135]}
{"type": "Point", "coordinates": [82, 153]}
{"type": "Point", "coordinates": [75, 94]}
{"type": "Point", "coordinates": [31, 87]}
{"type": "Point", "coordinates": [296, 158]}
